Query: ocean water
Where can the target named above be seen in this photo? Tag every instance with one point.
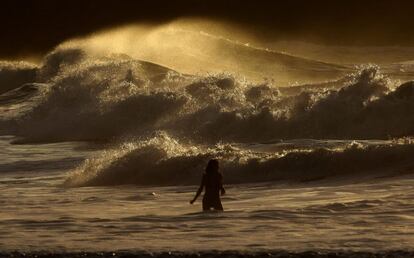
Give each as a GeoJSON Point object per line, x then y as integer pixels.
{"type": "Point", "coordinates": [39, 213]}
{"type": "Point", "coordinates": [103, 152]}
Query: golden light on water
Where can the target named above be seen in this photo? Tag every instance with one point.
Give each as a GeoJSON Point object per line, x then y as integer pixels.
{"type": "Point", "coordinates": [201, 46]}
{"type": "Point", "coordinates": [186, 45]}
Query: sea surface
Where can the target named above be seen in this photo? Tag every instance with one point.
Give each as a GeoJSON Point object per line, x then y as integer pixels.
{"type": "Point", "coordinates": [102, 152]}
{"type": "Point", "coordinates": [38, 213]}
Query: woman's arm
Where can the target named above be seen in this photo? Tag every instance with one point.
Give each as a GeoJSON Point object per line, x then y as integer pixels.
{"type": "Point", "coordinates": [199, 191]}
{"type": "Point", "coordinates": [222, 190]}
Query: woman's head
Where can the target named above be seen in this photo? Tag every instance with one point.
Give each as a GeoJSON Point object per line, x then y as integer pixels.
{"type": "Point", "coordinates": [212, 166]}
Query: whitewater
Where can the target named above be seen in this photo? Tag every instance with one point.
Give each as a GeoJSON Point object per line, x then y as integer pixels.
{"type": "Point", "coordinates": [102, 151]}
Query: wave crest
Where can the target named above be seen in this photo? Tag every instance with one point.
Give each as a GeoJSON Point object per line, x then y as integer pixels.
{"type": "Point", "coordinates": [163, 160]}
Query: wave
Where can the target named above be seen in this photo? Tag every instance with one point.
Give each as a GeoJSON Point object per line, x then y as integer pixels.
{"type": "Point", "coordinates": [15, 74]}
{"type": "Point", "coordinates": [104, 98]}
{"type": "Point", "coordinates": [195, 51]}
{"type": "Point", "coordinates": [168, 124]}
{"type": "Point", "coordinates": [162, 160]}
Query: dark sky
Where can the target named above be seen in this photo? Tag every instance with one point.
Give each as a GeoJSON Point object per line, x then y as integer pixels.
{"type": "Point", "coordinates": [30, 27]}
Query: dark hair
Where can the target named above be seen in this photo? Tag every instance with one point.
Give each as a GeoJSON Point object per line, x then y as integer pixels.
{"type": "Point", "coordinates": [212, 166]}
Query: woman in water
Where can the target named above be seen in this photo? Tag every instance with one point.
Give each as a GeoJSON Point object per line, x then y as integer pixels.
{"type": "Point", "coordinates": [213, 183]}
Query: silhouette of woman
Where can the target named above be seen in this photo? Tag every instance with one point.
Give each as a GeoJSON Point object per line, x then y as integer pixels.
{"type": "Point", "coordinates": [213, 183]}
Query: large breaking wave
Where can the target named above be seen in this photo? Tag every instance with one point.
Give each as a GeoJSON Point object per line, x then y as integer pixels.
{"type": "Point", "coordinates": [165, 125]}
{"type": "Point", "coordinates": [100, 98]}
{"type": "Point", "coordinates": [162, 160]}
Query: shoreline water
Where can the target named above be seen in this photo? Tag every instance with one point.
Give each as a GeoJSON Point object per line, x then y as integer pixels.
{"type": "Point", "coordinates": [209, 254]}
{"type": "Point", "coordinates": [352, 194]}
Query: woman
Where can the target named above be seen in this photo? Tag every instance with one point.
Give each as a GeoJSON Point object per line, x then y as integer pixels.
{"type": "Point", "coordinates": [213, 183]}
